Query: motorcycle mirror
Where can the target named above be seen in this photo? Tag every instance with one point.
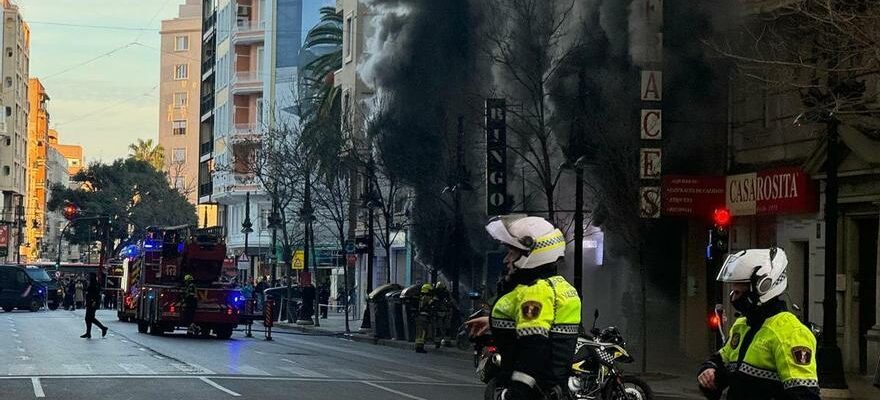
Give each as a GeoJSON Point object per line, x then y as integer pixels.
{"type": "Point", "coordinates": [595, 319]}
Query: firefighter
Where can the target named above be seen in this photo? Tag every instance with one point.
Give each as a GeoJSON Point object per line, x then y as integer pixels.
{"type": "Point", "coordinates": [536, 323]}
{"type": "Point", "coordinates": [441, 311]}
{"type": "Point", "coordinates": [423, 320]}
{"type": "Point", "coordinates": [190, 303]}
{"type": "Point", "coordinates": [769, 353]}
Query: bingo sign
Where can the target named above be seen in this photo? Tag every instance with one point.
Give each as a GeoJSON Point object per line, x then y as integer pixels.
{"type": "Point", "coordinates": [496, 157]}
{"type": "Point", "coordinates": [4, 240]}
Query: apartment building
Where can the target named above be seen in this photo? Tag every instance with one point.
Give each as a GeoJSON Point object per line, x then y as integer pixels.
{"type": "Point", "coordinates": [37, 156]}
{"type": "Point", "coordinates": [179, 85]}
{"type": "Point", "coordinates": [72, 153]}
{"type": "Point", "coordinates": [249, 73]}
{"type": "Point", "coordinates": [13, 127]}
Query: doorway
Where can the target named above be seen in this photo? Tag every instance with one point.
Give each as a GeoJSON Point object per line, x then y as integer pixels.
{"type": "Point", "coordinates": [867, 288]}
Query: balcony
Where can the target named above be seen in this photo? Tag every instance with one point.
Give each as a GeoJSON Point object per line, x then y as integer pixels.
{"type": "Point", "coordinates": [206, 148]}
{"type": "Point", "coordinates": [206, 188]}
{"type": "Point", "coordinates": [247, 82]}
{"type": "Point", "coordinates": [246, 133]}
{"type": "Point", "coordinates": [248, 32]}
{"type": "Point", "coordinates": [207, 106]}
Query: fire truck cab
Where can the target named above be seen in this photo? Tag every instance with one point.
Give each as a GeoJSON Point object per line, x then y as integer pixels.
{"type": "Point", "coordinates": [166, 256]}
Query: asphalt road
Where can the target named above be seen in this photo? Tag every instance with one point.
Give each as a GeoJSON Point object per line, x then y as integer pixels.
{"type": "Point", "coordinates": [45, 358]}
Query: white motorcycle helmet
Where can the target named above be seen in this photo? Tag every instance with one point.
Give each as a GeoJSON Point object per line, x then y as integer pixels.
{"type": "Point", "coordinates": [540, 241]}
{"type": "Point", "coordinates": [764, 269]}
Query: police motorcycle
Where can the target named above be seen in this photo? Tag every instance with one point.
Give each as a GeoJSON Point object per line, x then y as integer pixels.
{"type": "Point", "coordinates": [594, 372]}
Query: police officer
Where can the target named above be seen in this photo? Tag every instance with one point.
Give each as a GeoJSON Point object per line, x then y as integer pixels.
{"type": "Point", "coordinates": [190, 303]}
{"type": "Point", "coordinates": [536, 322]}
{"type": "Point", "coordinates": [441, 310]}
{"type": "Point", "coordinates": [423, 320]}
{"type": "Point", "coordinates": [769, 353]}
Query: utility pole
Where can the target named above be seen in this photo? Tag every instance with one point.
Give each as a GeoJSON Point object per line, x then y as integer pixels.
{"type": "Point", "coordinates": [829, 357]}
{"type": "Point", "coordinates": [370, 204]}
{"type": "Point", "coordinates": [456, 198]}
{"type": "Point", "coordinates": [19, 218]}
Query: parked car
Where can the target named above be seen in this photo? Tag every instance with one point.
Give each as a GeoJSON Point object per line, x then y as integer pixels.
{"type": "Point", "coordinates": [19, 290]}
{"type": "Point", "coordinates": [279, 294]}
{"type": "Point", "coordinates": [52, 289]}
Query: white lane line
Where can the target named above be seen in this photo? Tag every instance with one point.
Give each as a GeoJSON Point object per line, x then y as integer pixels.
{"type": "Point", "coordinates": [226, 377]}
{"type": "Point", "coordinates": [79, 369]}
{"type": "Point", "coordinates": [389, 390]}
{"type": "Point", "coordinates": [38, 387]}
{"type": "Point", "coordinates": [413, 377]}
{"type": "Point", "coordinates": [217, 386]}
{"type": "Point", "coordinates": [142, 349]}
{"type": "Point", "coordinates": [192, 369]}
{"type": "Point", "coordinates": [137, 369]}
{"type": "Point", "coordinates": [358, 374]}
{"type": "Point", "coordinates": [158, 357]}
{"type": "Point", "coordinates": [21, 349]}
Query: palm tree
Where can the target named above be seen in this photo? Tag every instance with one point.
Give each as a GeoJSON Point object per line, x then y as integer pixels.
{"type": "Point", "coordinates": [325, 38]}
{"type": "Point", "coordinates": [145, 150]}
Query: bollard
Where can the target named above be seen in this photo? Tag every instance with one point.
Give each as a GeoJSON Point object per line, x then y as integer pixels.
{"type": "Point", "coordinates": [268, 321]}
{"type": "Point", "coordinates": [249, 311]}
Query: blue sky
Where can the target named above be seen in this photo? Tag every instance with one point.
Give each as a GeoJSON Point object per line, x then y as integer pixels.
{"type": "Point", "coordinates": [108, 103]}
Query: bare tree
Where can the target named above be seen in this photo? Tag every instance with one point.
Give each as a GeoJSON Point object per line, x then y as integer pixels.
{"type": "Point", "coordinates": [528, 43]}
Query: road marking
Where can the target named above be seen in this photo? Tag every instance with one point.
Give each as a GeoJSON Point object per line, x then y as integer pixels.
{"type": "Point", "coordinates": [413, 377]}
{"type": "Point", "coordinates": [450, 374]}
{"type": "Point", "coordinates": [158, 357]}
{"type": "Point", "coordinates": [300, 371]}
{"type": "Point", "coordinates": [23, 358]}
{"type": "Point", "coordinates": [137, 369]}
{"type": "Point", "coordinates": [82, 369]}
{"type": "Point", "coordinates": [38, 388]}
{"type": "Point", "coordinates": [216, 385]}
{"type": "Point", "coordinates": [226, 377]}
{"type": "Point", "coordinates": [389, 390]}
{"type": "Point", "coordinates": [18, 341]}
{"type": "Point", "coordinates": [21, 349]}
{"type": "Point", "coordinates": [358, 374]}
{"type": "Point", "coordinates": [142, 349]}
{"type": "Point", "coordinates": [123, 340]}
{"type": "Point", "coordinates": [192, 369]}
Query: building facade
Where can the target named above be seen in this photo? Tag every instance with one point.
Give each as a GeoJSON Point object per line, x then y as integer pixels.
{"type": "Point", "coordinates": [37, 185]}
{"type": "Point", "coordinates": [249, 73]}
{"type": "Point", "coordinates": [179, 85]}
{"type": "Point", "coordinates": [72, 153]}
{"type": "Point", "coordinates": [13, 127]}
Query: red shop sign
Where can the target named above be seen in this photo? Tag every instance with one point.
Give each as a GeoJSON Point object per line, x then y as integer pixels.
{"type": "Point", "coordinates": [784, 190]}
{"type": "Point", "coordinates": [692, 196]}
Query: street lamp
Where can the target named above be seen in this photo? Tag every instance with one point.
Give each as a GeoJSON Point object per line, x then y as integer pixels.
{"type": "Point", "coordinates": [578, 166]}
{"type": "Point", "coordinates": [274, 223]}
{"type": "Point", "coordinates": [247, 229]}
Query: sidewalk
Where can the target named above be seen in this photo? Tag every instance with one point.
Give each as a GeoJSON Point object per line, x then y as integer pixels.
{"type": "Point", "coordinates": [667, 377]}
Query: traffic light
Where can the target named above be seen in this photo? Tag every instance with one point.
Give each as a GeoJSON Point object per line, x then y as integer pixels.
{"type": "Point", "coordinates": [70, 211]}
{"type": "Point", "coordinates": [719, 235]}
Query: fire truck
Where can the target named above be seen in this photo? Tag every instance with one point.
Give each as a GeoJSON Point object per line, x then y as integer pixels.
{"type": "Point", "coordinates": [168, 255]}
{"type": "Point", "coordinates": [126, 303]}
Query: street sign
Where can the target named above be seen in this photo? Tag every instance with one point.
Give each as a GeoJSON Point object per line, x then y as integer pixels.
{"type": "Point", "coordinates": [243, 261]}
{"type": "Point", "coordinates": [299, 260]}
{"type": "Point", "coordinates": [351, 260]}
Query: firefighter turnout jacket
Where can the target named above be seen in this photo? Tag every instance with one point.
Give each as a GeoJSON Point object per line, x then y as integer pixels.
{"type": "Point", "coordinates": [536, 327]}
{"type": "Point", "coordinates": [769, 357]}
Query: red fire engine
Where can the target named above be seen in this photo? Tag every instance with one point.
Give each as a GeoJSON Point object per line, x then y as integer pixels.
{"type": "Point", "coordinates": [166, 256]}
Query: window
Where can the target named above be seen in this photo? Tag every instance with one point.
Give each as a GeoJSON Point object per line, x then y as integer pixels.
{"type": "Point", "coordinates": [179, 183]}
{"type": "Point", "coordinates": [180, 99]}
{"type": "Point", "coordinates": [178, 155]}
{"type": "Point", "coordinates": [181, 71]}
{"type": "Point", "coordinates": [178, 127]}
{"type": "Point", "coordinates": [349, 36]}
{"type": "Point", "coordinates": [181, 43]}
{"type": "Point", "coordinates": [6, 170]}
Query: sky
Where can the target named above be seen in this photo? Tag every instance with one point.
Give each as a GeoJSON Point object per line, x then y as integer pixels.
{"type": "Point", "coordinates": [99, 62]}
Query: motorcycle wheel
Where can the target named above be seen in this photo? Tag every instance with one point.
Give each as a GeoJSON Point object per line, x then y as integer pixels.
{"type": "Point", "coordinates": [630, 388]}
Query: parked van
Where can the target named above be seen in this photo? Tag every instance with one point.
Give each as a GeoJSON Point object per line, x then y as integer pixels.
{"type": "Point", "coordinates": [19, 290]}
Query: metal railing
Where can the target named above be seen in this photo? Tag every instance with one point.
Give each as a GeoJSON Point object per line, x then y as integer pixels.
{"type": "Point", "coordinates": [248, 77]}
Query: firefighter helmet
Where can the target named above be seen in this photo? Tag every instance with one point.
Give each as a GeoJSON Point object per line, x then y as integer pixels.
{"type": "Point", "coordinates": [188, 278]}
{"type": "Point", "coordinates": [426, 288]}
{"type": "Point", "coordinates": [540, 242]}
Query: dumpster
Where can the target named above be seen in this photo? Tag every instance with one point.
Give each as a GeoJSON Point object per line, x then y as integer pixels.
{"type": "Point", "coordinates": [379, 310]}
{"type": "Point", "coordinates": [395, 315]}
{"type": "Point", "coordinates": [409, 300]}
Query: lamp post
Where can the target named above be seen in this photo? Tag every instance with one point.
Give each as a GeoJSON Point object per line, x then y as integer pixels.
{"type": "Point", "coordinates": [247, 228]}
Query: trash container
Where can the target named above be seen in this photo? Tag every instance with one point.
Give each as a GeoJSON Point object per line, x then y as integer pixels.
{"type": "Point", "coordinates": [395, 317]}
{"type": "Point", "coordinates": [409, 300]}
{"type": "Point", "coordinates": [379, 310]}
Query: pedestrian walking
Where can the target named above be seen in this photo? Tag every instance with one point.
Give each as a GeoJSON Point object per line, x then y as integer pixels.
{"type": "Point", "coordinates": [92, 302]}
{"type": "Point", "coordinates": [79, 287]}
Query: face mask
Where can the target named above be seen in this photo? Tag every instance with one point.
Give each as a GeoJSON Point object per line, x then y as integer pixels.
{"type": "Point", "coordinates": [745, 303]}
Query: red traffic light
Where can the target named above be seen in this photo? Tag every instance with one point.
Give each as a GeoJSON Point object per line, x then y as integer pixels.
{"type": "Point", "coordinates": [70, 211]}
{"type": "Point", "coordinates": [721, 217]}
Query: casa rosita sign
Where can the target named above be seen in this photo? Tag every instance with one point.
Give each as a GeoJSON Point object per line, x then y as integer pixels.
{"type": "Point", "coordinates": [786, 190]}
{"type": "Point", "coordinates": [777, 191]}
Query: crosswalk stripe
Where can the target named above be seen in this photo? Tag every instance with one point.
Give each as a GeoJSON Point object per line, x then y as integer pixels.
{"type": "Point", "coordinates": [137, 369]}
{"type": "Point", "coordinates": [413, 377]}
{"type": "Point", "coordinates": [358, 374]}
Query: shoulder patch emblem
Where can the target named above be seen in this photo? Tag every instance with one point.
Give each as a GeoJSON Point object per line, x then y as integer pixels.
{"type": "Point", "coordinates": [531, 310]}
{"type": "Point", "coordinates": [734, 340]}
{"type": "Point", "coordinates": [802, 355]}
